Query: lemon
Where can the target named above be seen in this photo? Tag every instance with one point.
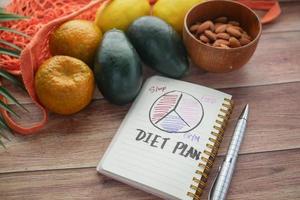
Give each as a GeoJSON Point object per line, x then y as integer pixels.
{"type": "Point", "coordinates": [121, 13]}
{"type": "Point", "coordinates": [64, 85]}
{"type": "Point", "coordinates": [173, 11]}
{"type": "Point", "coordinates": [76, 38]}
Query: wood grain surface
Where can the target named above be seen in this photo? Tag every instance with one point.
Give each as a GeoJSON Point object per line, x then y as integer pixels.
{"type": "Point", "coordinates": [276, 60]}
{"type": "Point", "coordinates": [59, 163]}
{"type": "Point", "coordinates": [81, 139]}
{"type": "Point", "coordinates": [258, 176]}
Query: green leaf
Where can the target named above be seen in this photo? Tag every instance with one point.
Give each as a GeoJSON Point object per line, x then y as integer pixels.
{"type": "Point", "coordinates": [10, 45]}
{"type": "Point", "coordinates": [2, 28]}
{"type": "Point", "coordinates": [12, 79]}
{"type": "Point", "coordinates": [9, 17]}
{"type": "Point", "coordinates": [9, 52]}
{"type": "Point", "coordinates": [4, 125]}
{"type": "Point", "coordinates": [8, 109]}
{"type": "Point", "coordinates": [4, 92]}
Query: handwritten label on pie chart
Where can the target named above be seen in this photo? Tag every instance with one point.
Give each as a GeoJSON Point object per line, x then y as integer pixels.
{"type": "Point", "coordinates": [176, 112]}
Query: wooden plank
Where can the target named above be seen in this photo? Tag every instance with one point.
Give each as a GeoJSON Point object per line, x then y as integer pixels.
{"type": "Point", "coordinates": [65, 184]}
{"type": "Point", "coordinates": [271, 175]}
{"type": "Point", "coordinates": [80, 140]}
{"type": "Point", "coordinates": [273, 123]}
{"type": "Point", "coordinates": [272, 63]}
{"type": "Point", "coordinates": [275, 61]}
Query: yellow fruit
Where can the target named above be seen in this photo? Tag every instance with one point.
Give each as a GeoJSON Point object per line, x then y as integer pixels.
{"type": "Point", "coordinates": [121, 13]}
{"type": "Point", "coordinates": [76, 38]}
{"type": "Point", "coordinates": [174, 11]}
{"type": "Point", "coordinates": [64, 85]}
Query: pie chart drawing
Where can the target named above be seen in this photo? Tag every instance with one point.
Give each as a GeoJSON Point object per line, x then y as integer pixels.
{"type": "Point", "coordinates": [176, 112]}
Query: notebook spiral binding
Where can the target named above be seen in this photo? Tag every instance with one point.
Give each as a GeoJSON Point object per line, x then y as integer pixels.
{"type": "Point", "coordinates": [211, 151]}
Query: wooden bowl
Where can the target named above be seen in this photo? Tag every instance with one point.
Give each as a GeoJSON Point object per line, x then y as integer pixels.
{"type": "Point", "coordinates": [215, 59]}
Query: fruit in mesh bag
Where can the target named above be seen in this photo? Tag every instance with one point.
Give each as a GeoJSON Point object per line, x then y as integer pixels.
{"type": "Point", "coordinates": [118, 68]}
{"type": "Point", "coordinates": [64, 85]}
{"type": "Point", "coordinates": [36, 48]}
{"type": "Point", "coordinates": [76, 38]}
{"type": "Point", "coordinates": [121, 13]}
{"type": "Point", "coordinates": [173, 11]}
{"type": "Point", "coordinates": [159, 46]}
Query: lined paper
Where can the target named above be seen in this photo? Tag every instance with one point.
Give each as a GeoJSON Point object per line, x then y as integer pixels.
{"type": "Point", "coordinates": [176, 115]}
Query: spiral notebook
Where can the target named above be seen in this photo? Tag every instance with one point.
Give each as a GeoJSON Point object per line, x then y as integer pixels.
{"type": "Point", "coordinates": [169, 138]}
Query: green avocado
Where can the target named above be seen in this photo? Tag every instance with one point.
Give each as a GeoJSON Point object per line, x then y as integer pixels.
{"type": "Point", "coordinates": [118, 69]}
{"type": "Point", "coordinates": [159, 46]}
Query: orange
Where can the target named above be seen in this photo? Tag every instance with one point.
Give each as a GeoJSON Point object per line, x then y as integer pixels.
{"type": "Point", "coordinates": [64, 85]}
{"type": "Point", "coordinates": [76, 38]}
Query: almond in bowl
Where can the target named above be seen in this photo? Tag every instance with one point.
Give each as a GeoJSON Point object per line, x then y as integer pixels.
{"type": "Point", "coordinates": [221, 33]}
{"type": "Point", "coordinates": [221, 36]}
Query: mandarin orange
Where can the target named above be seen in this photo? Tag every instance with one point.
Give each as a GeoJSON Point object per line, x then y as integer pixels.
{"type": "Point", "coordinates": [64, 85]}
{"type": "Point", "coordinates": [76, 38]}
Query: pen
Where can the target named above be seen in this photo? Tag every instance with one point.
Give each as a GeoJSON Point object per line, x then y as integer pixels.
{"type": "Point", "coordinates": [221, 183]}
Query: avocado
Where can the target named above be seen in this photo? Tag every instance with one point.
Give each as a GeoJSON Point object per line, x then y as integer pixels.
{"type": "Point", "coordinates": [159, 46]}
{"type": "Point", "coordinates": [118, 68]}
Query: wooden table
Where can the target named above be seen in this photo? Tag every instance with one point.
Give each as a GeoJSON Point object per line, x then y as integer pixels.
{"type": "Point", "coordinates": [59, 163]}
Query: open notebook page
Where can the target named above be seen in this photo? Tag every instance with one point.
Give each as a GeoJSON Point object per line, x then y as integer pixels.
{"type": "Point", "coordinates": [162, 138]}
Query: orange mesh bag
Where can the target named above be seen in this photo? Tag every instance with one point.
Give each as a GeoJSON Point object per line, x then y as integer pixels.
{"type": "Point", "coordinates": [44, 17]}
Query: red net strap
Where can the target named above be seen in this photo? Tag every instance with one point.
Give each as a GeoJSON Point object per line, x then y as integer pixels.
{"type": "Point", "coordinates": [271, 6]}
{"type": "Point", "coordinates": [40, 12]}
{"type": "Point", "coordinates": [32, 56]}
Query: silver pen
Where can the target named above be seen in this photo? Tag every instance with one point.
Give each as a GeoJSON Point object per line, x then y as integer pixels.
{"type": "Point", "coordinates": [221, 183]}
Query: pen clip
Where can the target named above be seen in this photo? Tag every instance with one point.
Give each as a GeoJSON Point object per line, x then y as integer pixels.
{"type": "Point", "coordinates": [214, 182]}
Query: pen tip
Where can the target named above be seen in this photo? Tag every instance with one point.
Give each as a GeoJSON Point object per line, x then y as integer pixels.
{"type": "Point", "coordinates": [244, 114]}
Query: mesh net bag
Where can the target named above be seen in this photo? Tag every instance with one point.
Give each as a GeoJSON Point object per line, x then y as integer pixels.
{"type": "Point", "coordinates": [44, 17]}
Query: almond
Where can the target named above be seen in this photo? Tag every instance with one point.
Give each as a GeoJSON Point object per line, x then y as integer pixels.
{"type": "Point", "coordinates": [245, 35]}
{"type": "Point", "coordinates": [217, 25]}
{"type": "Point", "coordinates": [216, 44]}
{"type": "Point", "coordinates": [223, 46]}
{"type": "Point", "coordinates": [233, 32]}
{"type": "Point", "coordinates": [233, 42]}
{"type": "Point", "coordinates": [221, 33]}
{"type": "Point", "coordinates": [237, 28]}
{"type": "Point", "coordinates": [204, 26]}
{"type": "Point", "coordinates": [221, 20]}
{"type": "Point", "coordinates": [204, 39]}
{"type": "Point", "coordinates": [212, 26]}
{"type": "Point", "coordinates": [224, 36]}
{"type": "Point", "coordinates": [234, 23]}
{"type": "Point", "coordinates": [220, 41]}
{"type": "Point", "coordinates": [212, 36]}
{"type": "Point", "coordinates": [221, 28]}
{"type": "Point", "coordinates": [194, 28]}
{"type": "Point", "coordinates": [244, 41]}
